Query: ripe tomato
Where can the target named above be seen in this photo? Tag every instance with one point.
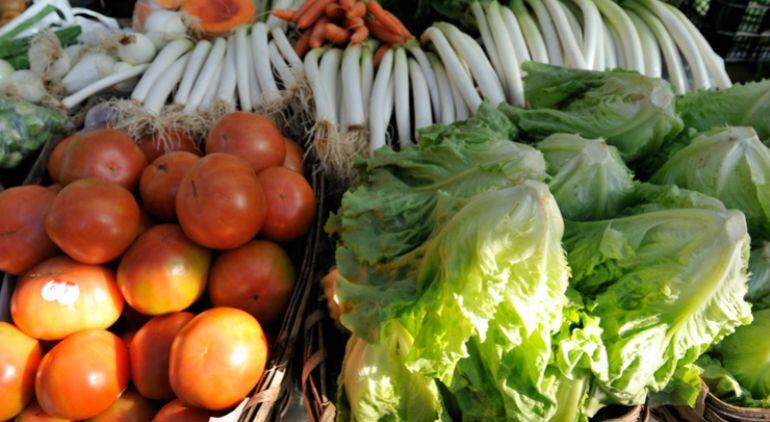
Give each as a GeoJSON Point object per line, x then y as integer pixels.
{"type": "Point", "coordinates": [59, 297]}
{"type": "Point", "coordinates": [175, 140]}
{"type": "Point", "coordinates": [294, 156]}
{"type": "Point", "coordinates": [83, 375]}
{"type": "Point", "coordinates": [23, 239]}
{"type": "Point", "coordinates": [220, 203]}
{"type": "Point", "coordinates": [258, 278]}
{"type": "Point", "coordinates": [54, 160]}
{"type": "Point", "coordinates": [55, 188]}
{"type": "Point", "coordinates": [93, 221]}
{"type": "Point", "coordinates": [130, 407]}
{"type": "Point", "coordinates": [33, 413]}
{"type": "Point", "coordinates": [160, 181]}
{"type": "Point", "coordinates": [127, 338]}
{"type": "Point", "coordinates": [176, 411]}
{"type": "Point", "coordinates": [249, 136]}
{"type": "Point", "coordinates": [19, 357]}
{"type": "Point", "coordinates": [163, 271]}
{"type": "Point", "coordinates": [105, 154]}
{"type": "Point", "coordinates": [290, 204]}
{"type": "Point", "coordinates": [149, 351]}
{"type": "Point", "coordinates": [217, 358]}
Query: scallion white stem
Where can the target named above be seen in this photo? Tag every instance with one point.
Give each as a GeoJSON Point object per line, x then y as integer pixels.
{"type": "Point", "coordinates": [616, 46]}
{"type": "Point", "coordinates": [102, 84]}
{"type": "Point", "coordinates": [261, 53]}
{"type": "Point", "coordinates": [367, 75]}
{"type": "Point", "coordinates": [591, 32]}
{"type": "Point", "coordinates": [229, 80]}
{"type": "Point", "coordinates": [446, 110]}
{"type": "Point", "coordinates": [329, 70]}
{"type": "Point", "coordinates": [488, 41]}
{"type": "Point", "coordinates": [255, 90]}
{"type": "Point", "coordinates": [626, 32]}
{"type": "Point", "coordinates": [505, 50]}
{"type": "Point", "coordinates": [423, 115]}
{"type": "Point", "coordinates": [462, 111]}
{"type": "Point", "coordinates": [401, 95]}
{"type": "Point", "coordinates": [163, 86]}
{"type": "Point", "coordinates": [167, 56]}
{"type": "Point", "coordinates": [414, 47]}
{"type": "Point", "coordinates": [285, 74]}
{"type": "Point", "coordinates": [454, 67]}
{"type": "Point", "coordinates": [514, 31]}
{"type": "Point", "coordinates": [352, 97]}
{"type": "Point", "coordinates": [242, 68]}
{"type": "Point", "coordinates": [549, 32]}
{"type": "Point", "coordinates": [324, 111]}
{"type": "Point", "coordinates": [211, 91]}
{"type": "Point", "coordinates": [535, 43]}
{"type": "Point", "coordinates": [377, 125]}
{"type": "Point", "coordinates": [286, 49]}
{"type": "Point", "coordinates": [652, 63]}
{"type": "Point", "coordinates": [194, 65]}
{"type": "Point", "coordinates": [206, 76]}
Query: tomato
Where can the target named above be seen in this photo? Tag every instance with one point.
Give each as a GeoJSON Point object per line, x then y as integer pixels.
{"type": "Point", "coordinates": [23, 239]}
{"type": "Point", "coordinates": [163, 271]}
{"type": "Point", "coordinates": [83, 375]}
{"type": "Point", "coordinates": [105, 154]}
{"type": "Point", "coordinates": [176, 140]}
{"type": "Point", "coordinates": [128, 337]}
{"type": "Point", "coordinates": [54, 160]}
{"type": "Point", "coordinates": [217, 358]}
{"type": "Point", "coordinates": [19, 357]}
{"type": "Point", "coordinates": [149, 351]}
{"type": "Point", "coordinates": [93, 221]}
{"type": "Point", "coordinates": [130, 407]}
{"type": "Point", "coordinates": [55, 188]}
{"type": "Point", "coordinates": [290, 204]}
{"type": "Point", "coordinates": [249, 136]}
{"type": "Point", "coordinates": [220, 203]}
{"type": "Point", "coordinates": [59, 297]}
{"type": "Point", "coordinates": [176, 411]}
{"type": "Point", "coordinates": [33, 413]}
{"type": "Point", "coordinates": [160, 182]}
{"type": "Point", "coordinates": [258, 278]}
{"type": "Point", "coordinates": [294, 156]}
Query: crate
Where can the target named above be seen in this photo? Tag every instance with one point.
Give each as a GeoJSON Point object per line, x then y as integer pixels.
{"type": "Point", "coordinates": [271, 397]}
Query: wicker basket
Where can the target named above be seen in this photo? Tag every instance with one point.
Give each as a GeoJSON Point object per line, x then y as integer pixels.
{"type": "Point", "coordinates": [712, 409]}
{"type": "Point", "coordinates": [271, 396]}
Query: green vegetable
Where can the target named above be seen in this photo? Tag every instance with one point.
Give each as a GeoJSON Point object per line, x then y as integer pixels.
{"type": "Point", "coordinates": [647, 197]}
{"type": "Point", "coordinates": [759, 279]}
{"type": "Point", "coordinates": [24, 128]}
{"type": "Point", "coordinates": [45, 11]}
{"type": "Point", "coordinates": [730, 164]}
{"type": "Point", "coordinates": [739, 105]}
{"type": "Point", "coordinates": [665, 285]}
{"type": "Point", "coordinates": [588, 178]}
{"type": "Point", "coordinates": [10, 49]}
{"type": "Point", "coordinates": [737, 370]}
{"type": "Point", "coordinates": [632, 112]}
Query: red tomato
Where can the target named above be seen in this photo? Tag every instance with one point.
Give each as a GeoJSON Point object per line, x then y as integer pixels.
{"type": "Point", "coordinates": [217, 358]}
{"type": "Point", "coordinates": [33, 413]}
{"type": "Point", "coordinates": [59, 297]}
{"type": "Point", "coordinates": [93, 221]}
{"type": "Point", "coordinates": [149, 351]}
{"type": "Point", "coordinates": [290, 204]}
{"type": "Point", "coordinates": [130, 407]}
{"type": "Point", "coordinates": [160, 181]}
{"type": "Point", "coordinates": [83, 375]}
{"type": "Point", "coordinates": [128, 337]}
{"type": "Point", "coordinates": [163, 271]}
{"type": "Point", "coordinates": [55, 188]}
{"type": "Point", "coordinates": [19, 357]}
{"type": "Point", "coordinates": [105, 154]}
{"type": "Point", "coordinates": [54, 160]}
{"type": "Point", "coordinates": [258, 278]}
{"type": "Point", "coordinates": [220, 203]}
{"type": "Point", "coordinates": [23, 239]}
{"type": "Point", "coordinates": [176, 140]}
{"type": "Point", "coordinates": [176, 411]}
{"type": "Point", "coordinates": [294, 156]}
{"type": "Point", "coordinates": [249, 136]}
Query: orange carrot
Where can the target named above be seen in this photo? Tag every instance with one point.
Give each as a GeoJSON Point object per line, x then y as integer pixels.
{"type": "Point", "coordinates": [347, 4]}
{"type": "Point", "coordinates": [334, 11]}
{"type": "Point", "coordinates": [313, 13]}
{"type": "Point", "coordinates": [359, 35]}
{"type": "Point", "coordinates": [357, 11]}
{"type": "Point", "coordinates": [354, 23]}
{"type": "Point", "coordinates": [302, 9]}
{"type": "Point", "coordinates": [384, 34]}
{"type": "Point", "coordinates": [317, 33]}
{"type": "Point", "coordinates": [335, 34]}
{"type": "Point", "coordinates": [302, 44]}
{"type": "Point", "coordinates": [379, 53]}
{"type": "Point", "coordinates": [385, 18]}
{"type": "Point", "coordinates": [401, 28]}
{"type": "Point", "coordinates": [284, 14]}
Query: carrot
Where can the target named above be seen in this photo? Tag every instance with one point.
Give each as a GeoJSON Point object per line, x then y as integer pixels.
{"type": "Point", "coordinates": [387, 19]}
{"type": "Point", "coordinates": [317, 33]}
{"type": "Point", "coordinates": [359, 35]}
{"type": "Point", "coordinates": [354, 23]}
{"type": "Point", "coordinates": [402, 29]}
{"type": "Point", "coordinates": [302, 44]}
{"type": "Point", "coordinates": [283, 14]}
{"type": "Point", "coordinates": [384, 34]}
{"type": "Point", "coordinates": [347, 4]}
{"type": "Point", "coordinates": [335, 34]}
{"type": "Point", "coordinates": [313, 13]}
{"type": "Point", "coordinates": [334, 11]}
{"type": "Point", "coordinates": [357, 11]}
{"type": "Point", "coordinates": [379, 53]}
{"type": "Point", "coordinates": [302, 9]}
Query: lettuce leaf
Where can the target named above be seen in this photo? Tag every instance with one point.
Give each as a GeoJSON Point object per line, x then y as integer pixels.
{"type": "Point", "coordinates": [759, 278]}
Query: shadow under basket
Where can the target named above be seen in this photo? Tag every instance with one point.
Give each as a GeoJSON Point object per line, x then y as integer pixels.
{"type": "Point", "coordinates": [271, 397]}
{"type": "Point", "coordinates": [712, 409]}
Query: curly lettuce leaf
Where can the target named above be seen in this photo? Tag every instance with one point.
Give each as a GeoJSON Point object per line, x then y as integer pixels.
{"type": "Point", "coordinates": [665, 285]}
{"type": "Point", "coordinates": [632, 112]}
{"type": "Point", "coordinates": [730, 164]}
{"type": "Point", "coordinates": [647, 197]}
{"type": "Point", "coordinates": [588, 178]}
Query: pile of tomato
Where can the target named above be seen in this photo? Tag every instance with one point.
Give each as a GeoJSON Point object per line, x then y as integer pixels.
{"type": "Point", "coordinates": [149, 275]}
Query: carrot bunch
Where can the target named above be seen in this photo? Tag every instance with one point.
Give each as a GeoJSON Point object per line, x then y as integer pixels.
{"type": "Point", "coordinates": [344, 21]}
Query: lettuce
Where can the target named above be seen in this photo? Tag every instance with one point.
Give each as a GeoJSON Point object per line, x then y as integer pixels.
{"type": "Point", "coordinates": [588, 178]}
{"type": "Point", "coordinates": [759, 279]}
{"type": "Point", "coordinates": [730, 164]}
{"type": "Point", "coordinates": [632, 112]}
{"type": "Point", "coordinates": [665, 285]}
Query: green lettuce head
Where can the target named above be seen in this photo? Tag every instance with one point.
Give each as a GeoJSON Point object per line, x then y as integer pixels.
{"type": "Point", "coordinates": [759, 279]}
{"type": "Point", "coordinates": [588, 178]}
{"type": "Point", "coordinates": [632, 112]}
{"type": "Point", "coordinates": [730, 164]}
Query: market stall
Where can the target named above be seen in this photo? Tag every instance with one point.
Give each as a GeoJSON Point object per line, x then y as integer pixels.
{"type": "Point", "coordinates": [436, 210]}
